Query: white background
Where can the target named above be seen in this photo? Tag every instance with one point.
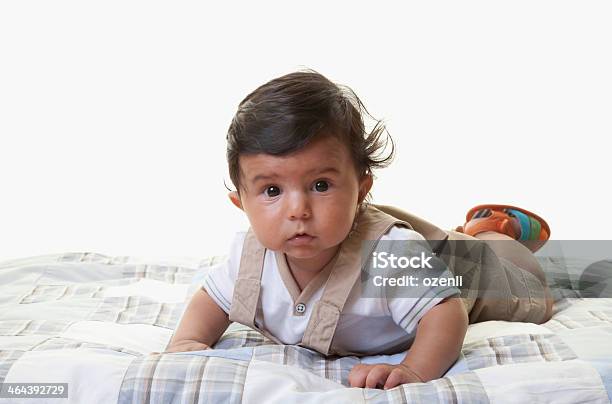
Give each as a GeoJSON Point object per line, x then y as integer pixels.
{"type": "Point", "coordinates": [113, 114]}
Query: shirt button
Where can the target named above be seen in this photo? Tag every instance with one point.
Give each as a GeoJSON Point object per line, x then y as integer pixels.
{"type": "Point", "coordinates": [300, 308]}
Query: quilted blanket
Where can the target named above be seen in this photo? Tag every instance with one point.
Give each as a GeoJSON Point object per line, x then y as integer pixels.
{"type": "Point", "coordinates": [91, 321]}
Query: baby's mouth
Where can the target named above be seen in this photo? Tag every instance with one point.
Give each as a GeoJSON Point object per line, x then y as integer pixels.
{"type": "Point", "coordinates": [300, 238]}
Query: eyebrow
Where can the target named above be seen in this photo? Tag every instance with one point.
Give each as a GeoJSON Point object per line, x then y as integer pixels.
{"type": "Point", "coordinates": [260, 177]}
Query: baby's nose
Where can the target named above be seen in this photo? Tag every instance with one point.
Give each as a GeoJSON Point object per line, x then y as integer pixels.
{"type": "Point", "coordinates": [299, 207]}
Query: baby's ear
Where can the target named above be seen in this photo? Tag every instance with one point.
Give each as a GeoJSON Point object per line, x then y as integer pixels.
{"type": "Point", "coordinates": [235, 198]}
{"type": "Point", "coordinates": [364, 186]}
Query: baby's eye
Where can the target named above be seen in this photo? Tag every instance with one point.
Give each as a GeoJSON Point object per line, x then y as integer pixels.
{"type": "Point", "coordinates": [321, 186]}
{"type": "Point", "coordinates": [272, 191]}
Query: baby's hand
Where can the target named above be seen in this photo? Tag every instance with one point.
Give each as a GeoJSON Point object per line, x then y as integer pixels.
{"type": "Point", "coordinates": [382, 375]}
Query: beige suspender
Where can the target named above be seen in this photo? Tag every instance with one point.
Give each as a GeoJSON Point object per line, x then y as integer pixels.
{"type": "Point", "coordinates": [372, 224]}
{"type": "Point", "coordinates": [247, 287]}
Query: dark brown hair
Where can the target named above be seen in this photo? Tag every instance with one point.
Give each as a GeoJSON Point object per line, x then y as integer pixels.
{"type": "Point", "coordinates": [285, 114]}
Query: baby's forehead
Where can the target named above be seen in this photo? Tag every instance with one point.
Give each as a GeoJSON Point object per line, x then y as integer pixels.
{"type": "Point", "coordinates": [294, 163]}
{"type": "Point", "coordinates": [313, 159]}
{"type": "Point", "coordinates": [327, 149]}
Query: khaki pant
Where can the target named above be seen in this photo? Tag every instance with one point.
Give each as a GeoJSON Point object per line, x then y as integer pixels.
{"type": "Point", "coordinates": [493, 288]}
{"type": "Point", "coordinates": [522, 296]}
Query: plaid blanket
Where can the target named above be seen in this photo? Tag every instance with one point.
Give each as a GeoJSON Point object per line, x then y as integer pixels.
{"type": "Point", "coordinates": [91, 321]}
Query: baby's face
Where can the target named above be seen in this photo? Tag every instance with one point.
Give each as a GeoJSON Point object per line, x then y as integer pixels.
{"type": "Point", "coordinates": [314, 191]}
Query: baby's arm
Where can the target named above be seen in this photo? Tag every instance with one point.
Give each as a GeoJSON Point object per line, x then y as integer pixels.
{"type": "Point", "coordinates": [201, 326]}
{"type": "Point", "coordinates": [436, 347]}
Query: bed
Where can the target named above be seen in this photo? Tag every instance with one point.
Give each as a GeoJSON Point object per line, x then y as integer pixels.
{"type": "Point", "coordinates": [91, 321]}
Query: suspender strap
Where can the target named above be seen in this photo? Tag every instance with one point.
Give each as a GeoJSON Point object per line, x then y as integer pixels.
{"type": "Point", "coordinates": [248, 284]}
{"type": "Point", "coordinates": [435, 236]}
{"type": "Point", "coordinates": [247, 288]}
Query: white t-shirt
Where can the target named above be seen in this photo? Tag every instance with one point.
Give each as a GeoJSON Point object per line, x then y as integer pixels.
{"type": "Point", "coordinates": [366, 324]}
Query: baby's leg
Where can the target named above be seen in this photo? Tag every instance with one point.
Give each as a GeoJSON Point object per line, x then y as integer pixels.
{"type": "Point", "coordinates": [513, 251]}
{"type": "Point", "coordinates": [506, 247]}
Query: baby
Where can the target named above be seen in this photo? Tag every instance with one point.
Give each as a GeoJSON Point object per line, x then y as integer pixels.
{"type": "Point", "coordinates": [301, 161]}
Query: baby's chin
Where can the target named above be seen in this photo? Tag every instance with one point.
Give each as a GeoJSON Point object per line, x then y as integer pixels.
{"type": "Point", "coordinates": [304, 252]}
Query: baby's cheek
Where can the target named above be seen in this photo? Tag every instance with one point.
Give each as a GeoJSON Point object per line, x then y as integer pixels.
{"type": "Point", "coordinates": [338, 233]}
{"type": "Point", "coordinates": [268, 236]}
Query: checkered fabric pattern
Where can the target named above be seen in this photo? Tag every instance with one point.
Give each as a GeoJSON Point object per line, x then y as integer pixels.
{"type": "Point", "coordinates": [92, 321]}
